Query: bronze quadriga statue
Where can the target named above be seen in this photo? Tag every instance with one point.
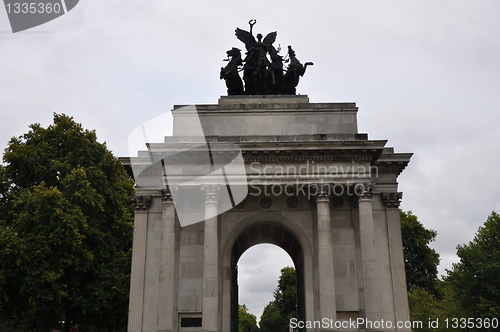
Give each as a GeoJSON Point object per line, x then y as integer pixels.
{"type": "Point", "coordinates": [263, 69]}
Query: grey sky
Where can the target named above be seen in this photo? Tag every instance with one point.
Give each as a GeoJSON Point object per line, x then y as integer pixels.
{"type": "Point", "coordinates": [424, 74]}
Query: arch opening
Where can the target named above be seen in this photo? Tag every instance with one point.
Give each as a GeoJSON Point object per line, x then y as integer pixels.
{"type": "Point", "coordinates": [267, 233]}
{"type": "Point", "coordinates": [259, 270]}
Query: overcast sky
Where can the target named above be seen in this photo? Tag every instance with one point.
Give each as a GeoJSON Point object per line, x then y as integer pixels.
{"type": "Point", "coordinates": [425, 75]}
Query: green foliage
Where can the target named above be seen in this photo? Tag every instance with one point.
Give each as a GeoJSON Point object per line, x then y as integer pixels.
{"type": "Point", "coordinates": [472, 288]}
{"type": "Point", "coordinates": [247, 322]}
{"type": "Point", "coordinates": [425, 306]}
{"type": "Point", "coordinates": [476, 275]}
{"type": "Point", "coordinates": [42, 246]}
{"type": "Point", "coordinates": [285, 296]}
{"type": "Point", "coordinates": [277, 313]}
{"type": "Point", "coordinates": [421, 261]}
{"type": "Point", "coordinates": [272, 320]}
{"type": "Point", "coordinates": [65, 241]}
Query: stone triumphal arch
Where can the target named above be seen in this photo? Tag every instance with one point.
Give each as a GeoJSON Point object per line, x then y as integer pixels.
{"type": "Point", "coordinates": [279, 170]}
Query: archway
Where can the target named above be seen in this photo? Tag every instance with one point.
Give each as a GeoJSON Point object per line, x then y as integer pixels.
{"type": "Point", "coordinates": [259, 271]}
{"type": "Point", "coordinates": [271, 232]}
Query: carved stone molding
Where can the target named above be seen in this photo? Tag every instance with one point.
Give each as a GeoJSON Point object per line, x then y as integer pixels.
{"type": "Point", "coordinates": [211, 192]}
{"type": "Point", "coordinates": [141, 202]}
{"type": "Point", "coordinates": [392, 200]}
{"type": "Point", "coordinates": [364, 190]}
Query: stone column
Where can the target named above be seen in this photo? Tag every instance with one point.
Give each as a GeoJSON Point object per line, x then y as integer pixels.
{"type": "Point", "coordinates": [166, 283]}
{"type": "Point", "coordinates": [371, 286]}
{"type": "Point", "coordinates": [401, 308]}
{"type": "Point", "coordinates": [327, 300]}
{"type": "Point", "coordinates": [141, 204]}
{"type": "Point", "coordinates": [210, 314]}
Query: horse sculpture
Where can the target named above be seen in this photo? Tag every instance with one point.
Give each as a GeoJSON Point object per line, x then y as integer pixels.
{"type": "Point", "coordinates": [294, 72]}
{"type": "Point", "coordinates": [230, 73]}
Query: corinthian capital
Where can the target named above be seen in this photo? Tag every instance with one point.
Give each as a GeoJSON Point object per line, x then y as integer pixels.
{"type": "Point", "coordinates": [211, 192]}
{"type": "Point", "coordinates": [392, 200]}
{"type": "Point", "coordinates": [141, 202]}
{"type": "Point", "coordinates": [322, 191]}
{"type": "Point", "coordinates": [166, 193]}
{"type": "Point", "coordinates": [364, 189]}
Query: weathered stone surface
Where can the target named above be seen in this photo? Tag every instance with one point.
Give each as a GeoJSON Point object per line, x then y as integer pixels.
{"type": "Point", "coordinates": [267, 115]}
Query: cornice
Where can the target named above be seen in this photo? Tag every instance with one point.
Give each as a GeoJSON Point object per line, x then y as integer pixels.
{"type": "Point", "coordinates": [393, 163]}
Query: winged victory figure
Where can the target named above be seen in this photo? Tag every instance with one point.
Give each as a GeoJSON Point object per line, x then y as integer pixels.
{"type": "Point", "coordinates": [255, 68]}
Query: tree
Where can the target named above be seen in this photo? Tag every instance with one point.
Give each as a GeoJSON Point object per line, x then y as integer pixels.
{"type": "Point", "coordinates": [421, 261]}
{"type": "Point", "coordinates": [65, 237]}
{"type": "Point", "coordinates": [247, 322]}
{"type": "Point", "coordinates": [286, 294]}
{"type": "Point", "coordinates": [426, 307]}
{"type": "Point", "coordinates": [476, 276]}
{"type": "Point", "coordinates": [272, 320]}
{"type": "Point", "coordinates": [423, 306]}
{"type": "Point", "coordinates": [277, 313]}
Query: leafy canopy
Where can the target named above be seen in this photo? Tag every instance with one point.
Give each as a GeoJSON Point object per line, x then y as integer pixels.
{"type": "Point", "coordinates": [277, 313]}
{"type": "Point", "coordinates": [476, 275]}
{"type": "Point", "coordinates": [247, 322]}
{"type": "Point", "coordinates": [421, 261]}
{"type": "Point", "coordinates": [65, 237]}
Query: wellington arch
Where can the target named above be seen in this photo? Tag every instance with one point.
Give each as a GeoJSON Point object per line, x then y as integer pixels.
{"type": "Point", "coordinates": [266, 169]}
